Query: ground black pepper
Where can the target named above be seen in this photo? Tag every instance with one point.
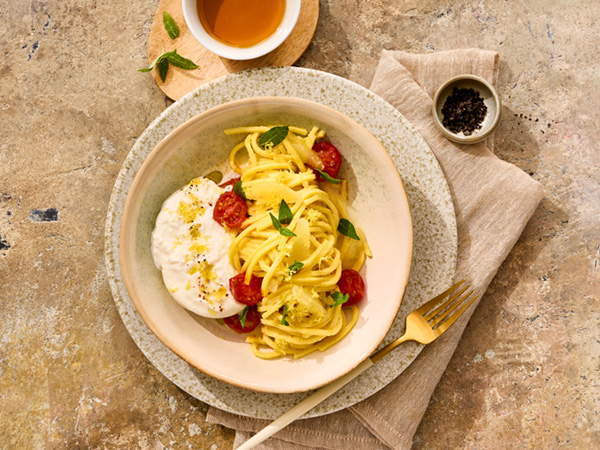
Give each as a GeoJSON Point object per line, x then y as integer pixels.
{"type": "Point", "coordinates": [464, 111]}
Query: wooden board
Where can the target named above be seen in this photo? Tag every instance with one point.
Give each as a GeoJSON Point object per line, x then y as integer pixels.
{"type": "Point", "coordinates": [179, 82]}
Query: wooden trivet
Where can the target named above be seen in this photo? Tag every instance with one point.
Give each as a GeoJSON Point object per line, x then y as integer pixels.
{"type": "Point", "coordinates": [179, 82]}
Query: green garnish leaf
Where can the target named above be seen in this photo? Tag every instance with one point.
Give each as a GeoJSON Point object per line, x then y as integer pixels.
{"type": "Point", "coordinates": [215, 176]}
{"type": "Point", "coordinates": [296, 266]}
{"type": "Point", "coordinates": [273, 136]}
{"type": "Point", "coordinates": [283, 314]}
{"type": "Point", "coordinates": [285, 213]}
{"type": "Point", "coordinates": [242, 316]}
{"type": "Point", "coordinates": [339, 299]}
{"type": "Point", "coordinates": [347, 229]}
{"type": "Point", "coordinates": [279, 227]}
{"type": "Point", "coordinates": [170, 25]}
{"type": "Point", "coordinates": [326, 177]}
{"type": "Point", "coordinates": [160, 58]}
{"type": "Point", "coordinates": [287, 232]}
{"type": "Point", "coordinates": [179, 61]}
{"type": "Point", "coordinates": [239, 190]}
{"type": "Point", "coordinates": [163, 68]}
{"type": "Point", "coordinates": [293, 270]}
{"type": "Point", "coordinates": [166, 58]}
{"type": "Point", "coordinates": [276, 222]}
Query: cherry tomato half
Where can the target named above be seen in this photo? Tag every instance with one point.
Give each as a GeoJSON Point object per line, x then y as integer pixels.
{"type": "Point", "coordinates": [252, 321]}
{"type": "Point", "coordinates": [230, 210]}
{"type": "Point", "coordinates": [332, 160]}
{"type": "Point", "coordinates": [351, 283]}
{"type": "Point", "coordinates": [248, 294]}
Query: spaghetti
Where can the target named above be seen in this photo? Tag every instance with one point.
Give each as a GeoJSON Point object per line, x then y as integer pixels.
{"type": "Point", "coordinates": [290, 240]}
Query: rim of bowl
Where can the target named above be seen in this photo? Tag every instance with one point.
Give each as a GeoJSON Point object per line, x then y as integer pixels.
{"type": "Point", "coordinates": [290, 18]}
{"type": "Point", "coordinates": [474, 138]}
{"type": "Point", "coordinates": [132, 207]}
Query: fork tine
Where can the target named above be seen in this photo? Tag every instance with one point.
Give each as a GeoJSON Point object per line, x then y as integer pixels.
{"type": "Point", "coordinates": [431, 314]}
{"type": "Point", "coordinates": [433, 302]}
{"type": "Point", "coordinates": [445, 325]}
{"type": "Point", "coordinates": [449, 307]}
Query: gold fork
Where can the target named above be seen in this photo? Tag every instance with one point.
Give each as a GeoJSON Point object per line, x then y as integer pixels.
{"type": "Point", "coordinates": [423, 325]}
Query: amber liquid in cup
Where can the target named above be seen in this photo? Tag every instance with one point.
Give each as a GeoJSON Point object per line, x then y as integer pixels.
{"type": "Point", "coordinates": [241, 23]}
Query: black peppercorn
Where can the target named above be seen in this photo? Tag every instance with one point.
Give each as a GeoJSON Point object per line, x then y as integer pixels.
{"type": "Point", "coordinates": [464, 110]}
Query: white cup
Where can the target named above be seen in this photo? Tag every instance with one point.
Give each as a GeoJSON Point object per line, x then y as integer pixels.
{"type": "Point", "coordinates": [290, 17]}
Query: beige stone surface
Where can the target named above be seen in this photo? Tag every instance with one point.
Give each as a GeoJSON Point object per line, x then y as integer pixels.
{"type": "Point", "coordinates": [526, 373]}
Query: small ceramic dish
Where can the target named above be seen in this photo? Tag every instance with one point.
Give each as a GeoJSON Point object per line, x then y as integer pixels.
{"type": "Point", "coordinates": [490, 99]}
{"type": "Point", "coordinates": [377, 199]}
{"type": "Point", "coordinates": [290, 17]}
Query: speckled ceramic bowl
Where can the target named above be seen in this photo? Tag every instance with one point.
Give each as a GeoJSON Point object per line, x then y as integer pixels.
{"type": "Point", "coordinates": [379, 205]}
{"type": "Point", "coordinates": [490, 99]}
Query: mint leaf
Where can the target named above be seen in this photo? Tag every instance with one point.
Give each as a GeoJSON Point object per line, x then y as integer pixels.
{"type": "Point", "coordinates": [283, 314]}
{"type": "Point", "coordinates": [170, 25]}
{"type": "Point", "coordinates": [179, 61]}
{"type": "Point", "coordinates": [163, 68]}
{"type": "Point", "coordinates": [327, 177]}
{"type": "Point", "coordinates": [166, 58]}
{"type": "Point", "coordinates": [273, 136]}
{"type": "Point", "coordinates": [339, 299]}
{"type": "Point", "coordinates": [242, 316]}
{"type": "Point", "coordinates": [278, 227]}
{"type": "Point", "coordinates": [239, 190]}
{"type": "Point", "coordinates": [285, 213]}
{"type": "Point", "coordinates": [160, 57]}
{"type": "Point", "coordinates": [347, 229]}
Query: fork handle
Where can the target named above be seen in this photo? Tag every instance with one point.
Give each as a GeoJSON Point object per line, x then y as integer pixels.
{"type": "Point", "coordinates": [407, 336]}
{"type": "Point", "coordinates": [305, 405]}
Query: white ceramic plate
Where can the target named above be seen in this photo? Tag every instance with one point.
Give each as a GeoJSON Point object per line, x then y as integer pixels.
{"type": "Point", "coordinates": [434, 227]}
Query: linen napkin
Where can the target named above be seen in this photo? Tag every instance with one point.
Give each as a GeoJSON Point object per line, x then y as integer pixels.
{"type": "Point", "coordinates": [493, 201]}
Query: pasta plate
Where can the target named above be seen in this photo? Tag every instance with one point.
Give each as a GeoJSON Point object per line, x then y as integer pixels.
{"type": "Point", "coordinates": [433, 217]}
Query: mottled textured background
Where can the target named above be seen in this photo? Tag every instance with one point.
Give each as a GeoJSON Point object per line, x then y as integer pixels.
{"type": "Point", "coordinates": [525, 375]}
